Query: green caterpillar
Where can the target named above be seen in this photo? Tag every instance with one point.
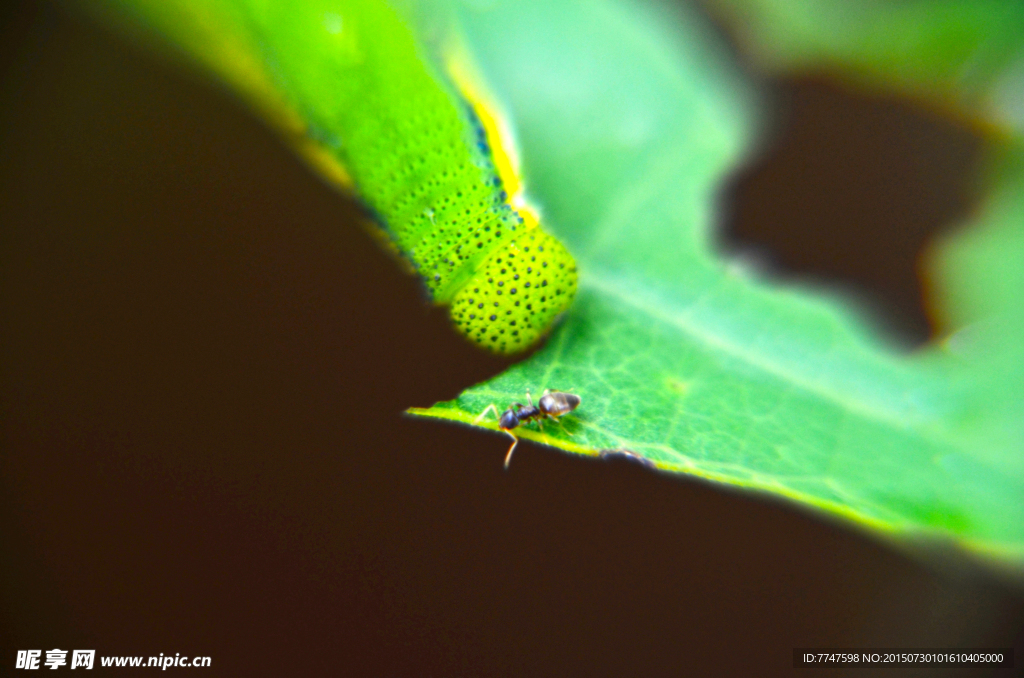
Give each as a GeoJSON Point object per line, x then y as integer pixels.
{"type": "Point", "coordinates": [347, 81]}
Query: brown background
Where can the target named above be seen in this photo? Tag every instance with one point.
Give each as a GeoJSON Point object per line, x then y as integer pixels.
{"type": "Point", "coordinates": [204, 364]}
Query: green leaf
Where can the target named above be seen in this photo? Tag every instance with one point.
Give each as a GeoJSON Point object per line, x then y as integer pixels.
{"type": "Point", "coordinates": [951, 48]}
{"type": "Point", "coordinates": [629, 118]}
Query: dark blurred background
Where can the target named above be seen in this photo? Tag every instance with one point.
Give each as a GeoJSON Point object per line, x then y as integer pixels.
{"type": "Point", "coordinates": [204, 364]}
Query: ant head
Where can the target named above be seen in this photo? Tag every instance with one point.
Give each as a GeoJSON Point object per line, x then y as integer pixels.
{"type": "Point", "coordinates": [508, 419]}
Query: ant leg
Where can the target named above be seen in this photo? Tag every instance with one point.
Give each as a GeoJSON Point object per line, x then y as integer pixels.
{"type": "Point", "coordinates": [490, 408]}
{"type": "Point", "coordinates": [515, 441]}
{"type": "Point", "coordinates": [561, 426]}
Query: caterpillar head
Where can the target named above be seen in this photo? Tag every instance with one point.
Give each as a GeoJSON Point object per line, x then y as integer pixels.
{"type": "Point", "coordinates": [516, 294]}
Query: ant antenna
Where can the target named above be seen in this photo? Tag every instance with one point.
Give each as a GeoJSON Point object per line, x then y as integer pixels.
{"type": "Point", "coordinates": [508, 457]}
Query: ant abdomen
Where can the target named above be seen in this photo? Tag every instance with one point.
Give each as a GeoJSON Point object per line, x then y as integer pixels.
{"type": "Point", "coordinates": [557, 403]}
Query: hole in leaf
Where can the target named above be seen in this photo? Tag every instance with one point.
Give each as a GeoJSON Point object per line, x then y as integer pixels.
{"type": "Point", "coordinates": [851, 192]}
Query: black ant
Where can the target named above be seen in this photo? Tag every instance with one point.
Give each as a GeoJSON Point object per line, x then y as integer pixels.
{"type": "Point", "coordinates": [552, 404]}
